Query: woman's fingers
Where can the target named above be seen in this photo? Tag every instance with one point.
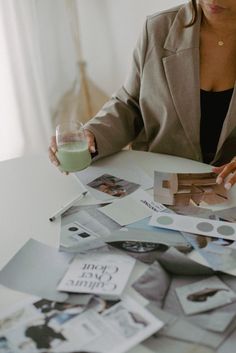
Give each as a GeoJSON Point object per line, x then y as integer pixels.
{"type": "Point", "coordinates": [231, 181]}
{"type": "Point", "coordinates": [53, 148]}
{"type": "Point", "coordinates": [226, 174]}
{"type": "Point", "coordinates": [52, 151]}
{"type": "Point", "coordinates": [91, 141]}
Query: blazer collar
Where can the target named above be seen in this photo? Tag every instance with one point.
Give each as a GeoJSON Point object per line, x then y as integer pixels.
{"type": "Point", "coordinates": [180, 38]}
{"type": "Point", "coordinates": [228, 126]}
{"type": "Point", "coordinates": [182, 68]}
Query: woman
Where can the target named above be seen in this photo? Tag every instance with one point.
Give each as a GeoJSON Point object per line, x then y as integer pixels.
{"type": "Point", "coordinates": [178, 98]}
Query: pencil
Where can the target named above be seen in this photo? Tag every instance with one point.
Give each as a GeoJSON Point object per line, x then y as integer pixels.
{"type": "Point", "coordinates": [67, 206]}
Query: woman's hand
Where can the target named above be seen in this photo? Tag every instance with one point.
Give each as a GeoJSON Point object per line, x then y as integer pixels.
{"type": "Point", "coordinates": [91, 141]}
{"type": "Point", "coordinates": [226, 174]}
{"type": "Point", "coordinates": [52, 151]}
{"type": "Point", "coordinates": [53, 147]}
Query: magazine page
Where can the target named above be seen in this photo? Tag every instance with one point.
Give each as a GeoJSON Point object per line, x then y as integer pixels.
{"type": "Point", "coordinates": [103, 273]}
{"type": "Point", "coordinates": [128, 324]}
{"type": "Point", "coordinates": [104, 327]}
{"type": "Point", "coordinates": [82, 228]}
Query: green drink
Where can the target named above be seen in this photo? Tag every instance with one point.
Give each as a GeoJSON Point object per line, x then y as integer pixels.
{"type": "Point", "coordinates": [73, 156]}
{"type": "Point", "coordinates": [72, 146]}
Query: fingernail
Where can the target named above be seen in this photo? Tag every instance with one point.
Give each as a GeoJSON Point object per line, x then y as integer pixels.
{"type": "Point", "coordinates": [219, 180]}
{"type": "Point", "coordinates": [92, 149]}
{"type": "Point", "coordinates": [228, 186]}
{"type": "Point", "coordinates": [55, 163]}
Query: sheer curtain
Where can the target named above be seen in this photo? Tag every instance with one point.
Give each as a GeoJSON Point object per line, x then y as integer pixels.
{"type": "Point", "coordinates": [25, 119]}
{"type": "Point", "coordinates": [38, 60]}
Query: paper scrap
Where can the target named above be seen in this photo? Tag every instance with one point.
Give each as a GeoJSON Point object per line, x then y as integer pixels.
{"type": "Point", "coordinates": [132, 208]}
{"type": "Point", "coordinates": [204, 295]}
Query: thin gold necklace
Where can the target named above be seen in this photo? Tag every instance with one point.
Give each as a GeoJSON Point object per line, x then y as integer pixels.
{"type": "Point", "coordinates": [220, 41]}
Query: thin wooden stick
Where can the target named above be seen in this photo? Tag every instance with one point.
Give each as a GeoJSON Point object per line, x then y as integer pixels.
{"type": "Point", "coordinates": [74, 22]}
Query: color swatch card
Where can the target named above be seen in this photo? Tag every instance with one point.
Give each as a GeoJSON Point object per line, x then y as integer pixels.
{"type": "Point", "coordinates": [104, 273]}
{"type": "Point", "coordinates": [204, 295]}
{"type": "Point", "coordinates": [202, 226]}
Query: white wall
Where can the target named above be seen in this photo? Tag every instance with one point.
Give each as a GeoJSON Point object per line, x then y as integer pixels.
{"type": "Point", "coordinates": [109, 31]}
{"type": "Point", "coordinates": [57, 49]}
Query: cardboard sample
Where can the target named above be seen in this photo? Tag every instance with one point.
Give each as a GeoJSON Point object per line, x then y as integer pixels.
{"type": "Point", "coordinates": [188, 188]}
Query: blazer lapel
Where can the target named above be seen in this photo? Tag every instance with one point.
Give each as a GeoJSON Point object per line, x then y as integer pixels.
{"type": "Point", "coordinates": [229, 123]}
{"type": "Point", "coordinates": [182, 73]}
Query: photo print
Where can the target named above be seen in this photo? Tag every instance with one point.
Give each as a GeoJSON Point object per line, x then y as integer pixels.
{"type": "Point", "coordinates": [103, 326]}
{"type": "Point", "coordinates": [73, 235]}
{"type": "Point", "coordinates": [113, 186]}
{"type": "Point", "coordinates": [204, 295]}
{"type": "Point", "coordinates": [47, 327]}
{"type": "Point", "coordinates": [83, 227]}
{"type": "Point", "coordinates": [183, 189]}
{"type": "Point", "coordinates": [146, 252]}
{"type": "Point", "coordinates": [127, 323]}
{"type": "Point", "coordinates": [218, 253]}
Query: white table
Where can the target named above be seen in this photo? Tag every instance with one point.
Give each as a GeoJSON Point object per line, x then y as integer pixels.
{"type": "Point", "coordinates": [31, 189]}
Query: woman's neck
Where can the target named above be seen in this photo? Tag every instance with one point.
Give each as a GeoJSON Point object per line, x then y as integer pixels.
{"type": "Point", "coordinates": [220, 27]}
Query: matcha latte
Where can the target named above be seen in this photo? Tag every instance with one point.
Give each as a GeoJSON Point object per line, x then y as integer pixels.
{"type": "Point", "coordinates": [73, 156]}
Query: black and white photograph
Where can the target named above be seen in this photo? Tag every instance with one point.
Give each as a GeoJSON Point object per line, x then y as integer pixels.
{"type": "Point", "coordinates": [103, 327]}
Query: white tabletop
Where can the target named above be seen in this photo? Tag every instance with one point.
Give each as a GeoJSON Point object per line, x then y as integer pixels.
{"type": "Point", "coordinates": [31, 189]}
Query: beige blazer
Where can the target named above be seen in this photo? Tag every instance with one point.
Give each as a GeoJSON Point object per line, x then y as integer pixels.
{"type": "Point", "coordinates": [158, 108]}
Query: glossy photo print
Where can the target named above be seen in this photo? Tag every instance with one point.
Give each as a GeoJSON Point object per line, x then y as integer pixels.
{"type": "Point", "coordinates": [113, 186]}
{"type": "Point", "coordinates": [204, 295]}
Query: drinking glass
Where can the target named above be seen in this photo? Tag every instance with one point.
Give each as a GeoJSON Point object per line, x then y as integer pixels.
{"type": "Point", "coordinates": [72, 147]}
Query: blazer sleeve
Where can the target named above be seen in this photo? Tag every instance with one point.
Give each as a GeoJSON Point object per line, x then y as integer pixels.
{"type": "Point", "coordinates": [120, 120]}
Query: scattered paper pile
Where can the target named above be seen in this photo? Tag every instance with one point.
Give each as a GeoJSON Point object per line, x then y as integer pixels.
{"type": "Point", "coordinates": [133, 274]}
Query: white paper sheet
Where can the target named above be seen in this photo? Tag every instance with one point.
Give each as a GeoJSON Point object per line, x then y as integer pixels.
{"type": "Point", "coordinates": [132, 208]}
{"type": "Point", "coordinates": [136, 175]}
{"type": "Point", "coordinates": [105, 273]}
{"type": "Point", "coordinates": [104, 327]}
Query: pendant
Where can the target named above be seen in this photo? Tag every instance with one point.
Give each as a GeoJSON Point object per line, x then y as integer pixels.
{"type": "Point", "coordinates": [221, 43]}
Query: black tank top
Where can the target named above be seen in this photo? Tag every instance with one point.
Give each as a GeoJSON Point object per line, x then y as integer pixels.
{"type": "Point", "coordinates": [214, 108]}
